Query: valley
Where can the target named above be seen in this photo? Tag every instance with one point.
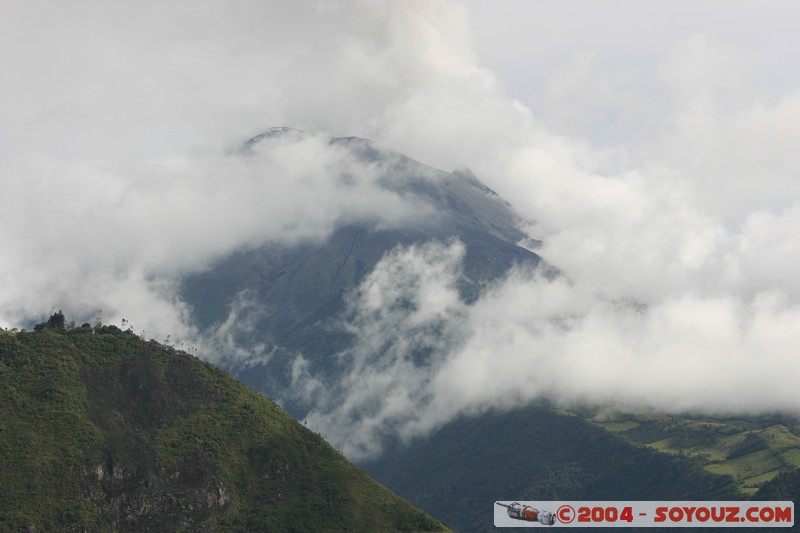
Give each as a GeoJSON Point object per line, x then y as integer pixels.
{"type": "Point", "coordinates": [751, 450]}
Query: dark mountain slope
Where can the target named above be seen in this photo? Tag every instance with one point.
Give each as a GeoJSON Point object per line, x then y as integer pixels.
{"type": "Point", "coordinates": [102, 431]}
{"type": "Point", "coordinates": [535, 454]}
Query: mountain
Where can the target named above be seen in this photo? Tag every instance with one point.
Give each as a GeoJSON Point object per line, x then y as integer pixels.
{"type": "Point", "coordinates": [297, 292]}
{"type": "Point", "coordinates": [103, 431]}
{"type": "Point", "coordinates": [296, 300]}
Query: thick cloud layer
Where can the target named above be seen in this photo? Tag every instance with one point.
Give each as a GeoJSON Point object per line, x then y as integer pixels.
{"type": "Point", "coordinates": [96, 236]}
{"type": "Point", "coordinates": [119, 124]}
{"type": "Point", "coordinates": [657, 157]}
{"type": "Point", "coordinates": [424, 357]}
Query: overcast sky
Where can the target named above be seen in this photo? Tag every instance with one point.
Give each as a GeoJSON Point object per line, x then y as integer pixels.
{"type": "Point", "coordinates": [654, 145]}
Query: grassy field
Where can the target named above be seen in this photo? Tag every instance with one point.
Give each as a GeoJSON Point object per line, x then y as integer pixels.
{"type": "Point", "coordinates": [751, 450]}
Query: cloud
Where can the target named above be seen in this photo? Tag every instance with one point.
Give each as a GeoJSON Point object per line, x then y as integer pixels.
{"type": "Point", "coordinates": [120, 125]}
{"type": "Point", "coordinates": [118, 142]}
{"type": "Point", "coordinates": [404, 315]}
{"type": "Point", "coordinates": [225, 343]}
{"type": "Point", "coordinates": [678, 251]}
{"type": "Point", "coordinates": [684, 353]}
{"type": "Point", "coordinates": [86, 235]}
{"type": "Point", "coordinates": [423, 357]}
{"type": "Point", "coordinates": [656, 155]}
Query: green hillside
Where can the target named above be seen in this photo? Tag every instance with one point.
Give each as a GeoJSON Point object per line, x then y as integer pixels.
{"type": "Point", "coordinates": [102, 431]}
{"type": "Point", "coordinates": [752, 450]}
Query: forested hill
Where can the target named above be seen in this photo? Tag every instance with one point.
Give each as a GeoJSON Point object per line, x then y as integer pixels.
{"type": "Point", "coordinates": [533, 453]}
{"type": "Point", "coordinates": [102, 431]}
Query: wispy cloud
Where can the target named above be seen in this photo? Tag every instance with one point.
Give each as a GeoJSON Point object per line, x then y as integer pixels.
{"type": "Point", "coordinates": [660, 167]}
{"type": "Point", "coordinates": [101, 235]}
{"type": "Point", "coordinates": [423, 357]}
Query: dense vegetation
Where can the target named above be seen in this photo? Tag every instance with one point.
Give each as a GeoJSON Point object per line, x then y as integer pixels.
{"type": "Point", "coordinates": [783, 487]}
{"type": "Point", "coordinates": [534, 453]}
{"type": "Point", "coordinates": [102, 431]}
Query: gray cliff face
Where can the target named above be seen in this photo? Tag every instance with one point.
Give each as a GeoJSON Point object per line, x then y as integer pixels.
{"type": "Point", "coordinates": [126, 501]}
{"type": "Point", "coordinates": [130, 402]}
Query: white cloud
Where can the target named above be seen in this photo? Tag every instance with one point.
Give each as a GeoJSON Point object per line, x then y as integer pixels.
{"type": "Point", "coordinates": [656, 153]}
{"type": "Point", "coordinates": [224, 344]}
{"type": "Point", "coordinates": [402, 315]}
{"type": "Point", "coordinates": [84, 235]}
{"type": "Point", "coordinates": [115, 120]}
{"type": "Point", "coordinates": [530, 338]}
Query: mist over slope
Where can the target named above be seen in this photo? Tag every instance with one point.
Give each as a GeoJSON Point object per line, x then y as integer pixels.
{"type": "Point", "coordinates": [656, 155]}
{"type": "Point", "coordinates": [395, 328]}
{"type": "Point", "coordinates": [376, 296]}
{"type": "Point", "coordinates": [294, 313]}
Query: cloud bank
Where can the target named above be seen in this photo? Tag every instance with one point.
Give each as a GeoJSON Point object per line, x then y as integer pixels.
{"type": "Point", "coordinates": [660, 167]}
{"type": "Point", "coordinates": [95, 236]}
{"type": "Point", "coordinates": [119, 126]}
{"type": "Point", "coordinates": [424, 357]}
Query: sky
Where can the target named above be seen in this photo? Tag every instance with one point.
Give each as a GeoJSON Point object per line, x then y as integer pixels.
{"type": "Point", "coordinates": [652, 147]}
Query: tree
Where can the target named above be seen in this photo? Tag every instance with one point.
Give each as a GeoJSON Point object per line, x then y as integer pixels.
{"type": "Point", "coordinates": [56, 322]}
